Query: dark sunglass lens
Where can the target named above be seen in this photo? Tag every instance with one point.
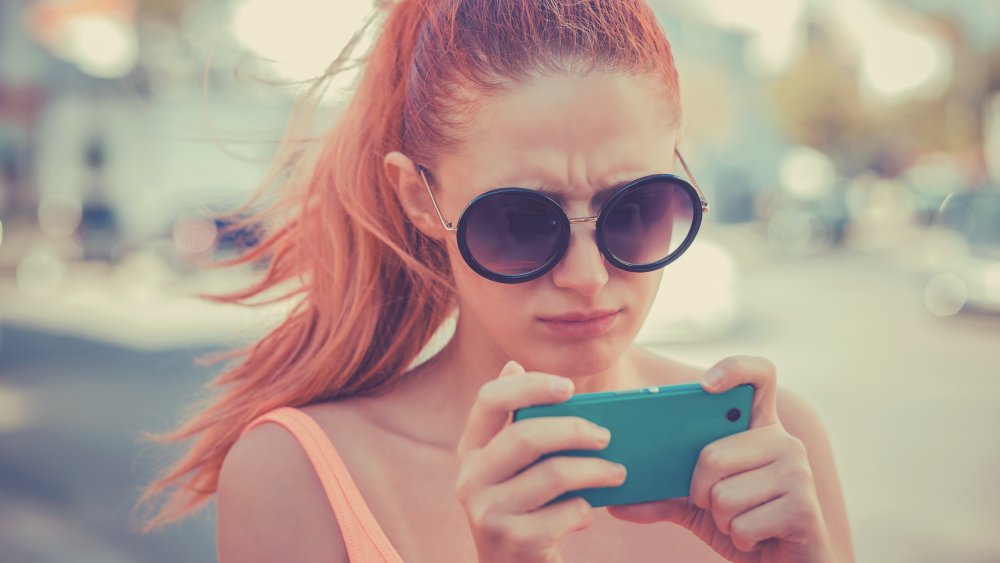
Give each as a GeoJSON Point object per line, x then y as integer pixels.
{"type": "Point", "coordinates": [649, 223]}
{"type": "Point", "coordinates": [512, 233]}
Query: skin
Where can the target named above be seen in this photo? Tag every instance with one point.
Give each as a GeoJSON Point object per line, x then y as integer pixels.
{"type": "Point", "coordinates": [445, 472]}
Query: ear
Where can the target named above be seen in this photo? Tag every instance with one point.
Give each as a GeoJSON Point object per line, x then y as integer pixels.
{"type": "Point", "coordinates": [412, 193]}
{"type": "Point", "coordinates": [678, 145]}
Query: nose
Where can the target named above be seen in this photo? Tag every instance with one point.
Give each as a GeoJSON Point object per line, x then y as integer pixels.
{"type": "Point", "coordinates": [583, 268]}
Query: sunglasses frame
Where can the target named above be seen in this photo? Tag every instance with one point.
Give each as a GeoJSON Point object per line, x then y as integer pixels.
{"type": "Point", "coordinates": [698, 204]}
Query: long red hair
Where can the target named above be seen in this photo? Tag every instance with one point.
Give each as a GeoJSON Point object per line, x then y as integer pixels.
{"type": "Point", "coordinates": [369, 290]}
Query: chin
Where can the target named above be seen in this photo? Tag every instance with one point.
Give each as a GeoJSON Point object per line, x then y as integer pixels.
{"type": "Point", "coordinates": [579, 358]}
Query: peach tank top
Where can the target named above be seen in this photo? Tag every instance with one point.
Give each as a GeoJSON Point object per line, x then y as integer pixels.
{"type": "Point", "coordinates": [364, 539]}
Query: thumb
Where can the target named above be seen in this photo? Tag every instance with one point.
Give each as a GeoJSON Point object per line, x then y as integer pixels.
{"type": "Point", "coordinates": [511, 368]}
{"type": "Point", "coordinates": [675, 510]}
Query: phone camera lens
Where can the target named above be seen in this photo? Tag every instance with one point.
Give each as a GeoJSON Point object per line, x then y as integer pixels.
{"type": "Point", "coordinates": [733, 415]}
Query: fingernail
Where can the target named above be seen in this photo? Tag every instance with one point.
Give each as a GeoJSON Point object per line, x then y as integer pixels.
{"type": "Point", "coordinates": [511, 368]}
{"type": "Point", "coordinates": [562, 386]}
{"type": "Point", "coordinates": [621, 471]}
{"type": "Point", "coordinates": [712, 377]}
{"type": "Point", "coordinates": [603, 435]}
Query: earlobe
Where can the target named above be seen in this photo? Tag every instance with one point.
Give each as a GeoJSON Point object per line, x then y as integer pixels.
{"type": "Point", "coordinates": [412, 193]}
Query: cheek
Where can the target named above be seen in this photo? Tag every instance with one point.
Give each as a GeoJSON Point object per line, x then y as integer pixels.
{"type": "Point", "coordinates": [493, 303]}
{"type": "Point", "coordinates": [500, 311]}
{"type": "Point", "coordinates": [650, 283]}
{"type": "Point", "coordinates": [644, 286]}
{"type": "Point", "coordinates": [642, 290]}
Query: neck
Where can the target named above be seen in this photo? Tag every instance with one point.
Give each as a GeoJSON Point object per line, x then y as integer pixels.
{"type": "Point", "coordinates": [432, 406]}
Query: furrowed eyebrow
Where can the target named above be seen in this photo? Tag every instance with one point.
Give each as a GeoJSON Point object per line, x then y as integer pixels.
{"type": "Point", "coordinates": [600, 196]}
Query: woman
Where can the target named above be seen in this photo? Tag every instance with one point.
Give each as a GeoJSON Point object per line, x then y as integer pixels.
{"type": "Point", "coordinates": [576, 104]}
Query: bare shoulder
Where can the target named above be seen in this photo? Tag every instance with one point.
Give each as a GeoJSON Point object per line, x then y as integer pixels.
{"type": "Point", "coordinates": [271, 505]}
{"type": "Point", "coordinates": [800, 420]}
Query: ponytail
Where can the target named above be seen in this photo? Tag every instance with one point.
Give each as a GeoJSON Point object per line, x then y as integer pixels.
{"type": "Point", "coordinates": [367, 289]}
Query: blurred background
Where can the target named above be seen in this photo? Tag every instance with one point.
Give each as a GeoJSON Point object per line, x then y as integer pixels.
{"type": "Point", "coordinates": [850, 150]}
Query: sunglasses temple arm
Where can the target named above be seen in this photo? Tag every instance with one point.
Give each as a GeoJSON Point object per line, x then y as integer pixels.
{"type": "Point", "coordinates": [446, 224]}
{"type": "Point", "coordinates": [704, 204]}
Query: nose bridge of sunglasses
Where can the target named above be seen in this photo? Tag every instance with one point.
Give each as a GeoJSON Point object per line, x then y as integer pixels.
{"type": "Point", "coordinates": [586, 234]}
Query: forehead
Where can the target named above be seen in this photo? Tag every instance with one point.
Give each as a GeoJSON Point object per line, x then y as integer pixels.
{"type": "Point", "coordinates": [571, 134]}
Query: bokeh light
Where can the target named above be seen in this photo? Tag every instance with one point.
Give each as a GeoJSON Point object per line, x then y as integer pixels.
{"type": "Point", "coordinates": [40, 272]}
{"type": "Point", "coordinates": [104, 47]}
{"type": "Point", "coordinates": [300, 42]}
{"type": "Point", "coordinates": [59, 215]}
{"type": "Point", "coordinates": [98, 36]}
{"type": "Point", "coordinates": [807, 173]}
{"type": "Point", "coordinates": [945, 295]}
{"type": "Point", "coordinates": [798, 232]}
{"type": "Point", "coordinates": [194, 233]}
{"type": "Point", "coordinates": [776, 35]}
{"type": "Point", "coordinates": [899, 63]}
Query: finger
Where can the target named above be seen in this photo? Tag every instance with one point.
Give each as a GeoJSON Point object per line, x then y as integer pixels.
{"type": "Point", "coordinates": [521, 444]}
{"type": "Point", "coordinates": [774, 519]}
{"type": "Point", "coordinates": [501, 396]}
{"type": "Point", "coordinates": [741, 493]}
{"type": "Point", "coordinates": [526, 533]}
{"type": "Point", "coordinates": [675, 510]}
{"type": "Point", "coordinates": [758, 372]}
{"type": "Point", "coordinates": [548, 479]}
{"type": "Point", "coordinates": [732, 455]}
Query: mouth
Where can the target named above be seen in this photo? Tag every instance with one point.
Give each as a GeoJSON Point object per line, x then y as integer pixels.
{"type": "Point", "coordinates": [581, 316]}
{"type": "Point", "coordinates": [581, 324]}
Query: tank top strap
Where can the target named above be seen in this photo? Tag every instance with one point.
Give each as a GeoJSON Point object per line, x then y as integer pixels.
{"type": "Point", "coordinates": [363, 537]}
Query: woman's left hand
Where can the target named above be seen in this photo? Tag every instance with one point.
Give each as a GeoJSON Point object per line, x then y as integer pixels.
{"type": "Point", "coordinates": [753, 497]}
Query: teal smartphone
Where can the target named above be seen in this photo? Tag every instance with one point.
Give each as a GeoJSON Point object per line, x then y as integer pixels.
{"type": "Point", "coordinates": [657, 433]}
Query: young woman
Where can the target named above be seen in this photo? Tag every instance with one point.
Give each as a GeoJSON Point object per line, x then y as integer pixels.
{"type": "Point", "coordinates": [559, 120]}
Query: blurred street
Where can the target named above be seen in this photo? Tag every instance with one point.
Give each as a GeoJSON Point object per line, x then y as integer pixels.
{"type": "Point", "coordinates": [72, 460]}
{"type": "Point", "coordinates": [850, 152]}
{"type": "Point", "coordinates": [907, 397]}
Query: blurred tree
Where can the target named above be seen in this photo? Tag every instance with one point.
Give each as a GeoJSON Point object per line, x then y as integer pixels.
{"type": "Point", "coordinates": [818, 103]}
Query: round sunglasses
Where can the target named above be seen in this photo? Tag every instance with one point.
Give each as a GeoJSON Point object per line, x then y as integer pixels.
{"type": "Point", "coordinates": [514, 235]}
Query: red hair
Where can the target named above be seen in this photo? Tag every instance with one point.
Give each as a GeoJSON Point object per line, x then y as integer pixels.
{"type": "Point", "coordinates": [369, 289]}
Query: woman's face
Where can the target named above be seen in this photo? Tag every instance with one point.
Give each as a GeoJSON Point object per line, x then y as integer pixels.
{"type": "Point", "coordinates": [572, 135]}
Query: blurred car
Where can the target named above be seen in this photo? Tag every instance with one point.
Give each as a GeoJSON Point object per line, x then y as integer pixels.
{"type": "Point", "coordinates": [969, 276]}
{"type": "Point", "coordinates": [98, 231]}
{"type": "Point", "coordinates": [804, 227]}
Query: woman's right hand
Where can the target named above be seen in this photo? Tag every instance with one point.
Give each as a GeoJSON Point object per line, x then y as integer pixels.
{"type": "Point", "coordinates": [503, 493]}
